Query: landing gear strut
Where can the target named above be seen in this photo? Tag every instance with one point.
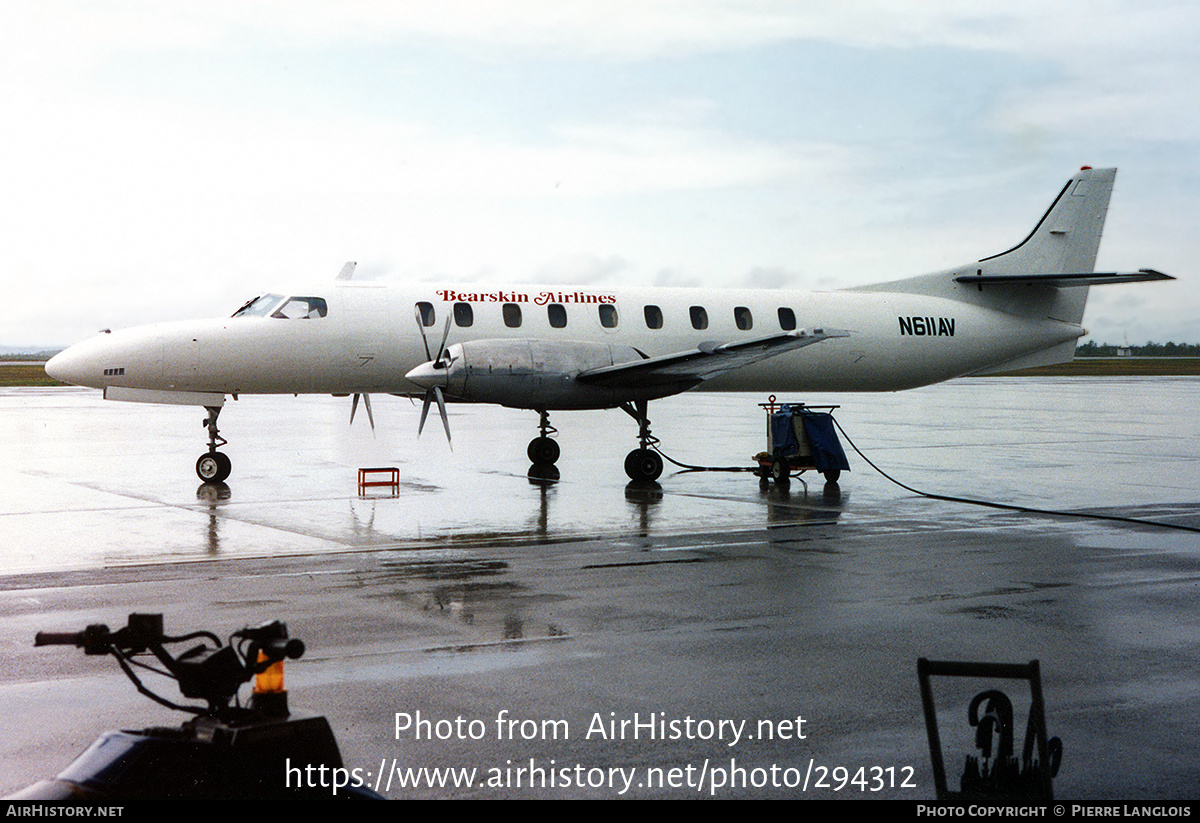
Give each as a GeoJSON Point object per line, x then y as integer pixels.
{"type": "Point", "coordinates": [542, 450]}
{"type": "Point", "coordinates": [213, 466]}
{"type": "Point", "coordinates": [643, 464]}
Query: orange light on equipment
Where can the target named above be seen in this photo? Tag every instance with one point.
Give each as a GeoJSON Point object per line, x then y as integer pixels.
{"type": "Point", "coordinates": [270, 680]}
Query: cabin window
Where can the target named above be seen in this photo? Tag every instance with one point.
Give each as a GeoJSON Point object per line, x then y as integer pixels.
{"type": "Point", "coordinates": [608, 315]}
{"type": "Point", "coordinates": [557, 314]}
{"type": "Point", "coordinates": [512, 315]}
{"type": "Point", "coordinates": [743, 318]}
{"type": "Point", "coordinates": [428, 317]}
{"type": "Point", "coordinates": [464, 315]}
{"type": "Point", "coordinates": [653, 317]}
{"type": "Point", "coordinates": [787, 319]}
{"type": "Point", "coordinates": [302, 308]}
{"type": "Point", "coordinates": [699, 318]}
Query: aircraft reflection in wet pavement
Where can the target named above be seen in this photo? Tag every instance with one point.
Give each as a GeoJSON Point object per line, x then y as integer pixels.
{"type": "Point", "coordinates": [547, 348]}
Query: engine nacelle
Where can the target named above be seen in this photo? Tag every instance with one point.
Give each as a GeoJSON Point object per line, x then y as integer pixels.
{"type": "Point", "coordinates": [532, 374]}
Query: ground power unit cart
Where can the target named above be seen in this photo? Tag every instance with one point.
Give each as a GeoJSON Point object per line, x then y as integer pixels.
{"type": "Point", "coordinates": [800, 438]}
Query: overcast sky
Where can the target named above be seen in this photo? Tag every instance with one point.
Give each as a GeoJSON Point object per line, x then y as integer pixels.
{"type": "Point", "coordinates": [169, 160]}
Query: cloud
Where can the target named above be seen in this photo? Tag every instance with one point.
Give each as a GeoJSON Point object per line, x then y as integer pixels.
{"type": "Point", "coordinates": [165, 154]}
{"type": "Point", "coordinates": [583, 269]}
{"type": "Point", "coordinates": [591, 29]}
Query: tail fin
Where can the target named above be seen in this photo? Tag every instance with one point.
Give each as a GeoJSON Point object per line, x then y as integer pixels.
{"type": "Point", "coordinates": [1046, 275]}
{"type": "Point", "coordinates": [1043, 278]}
{"type": "Point", "coordinates": [1066, 239]}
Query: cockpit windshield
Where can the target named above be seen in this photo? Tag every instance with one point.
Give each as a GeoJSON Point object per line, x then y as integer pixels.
{"type": "Point", "coordinates": [301, 308]}
{"type": "Point", "coordinates": [287, 308]}
{"type": "Point", "coordinates": [259, 306]}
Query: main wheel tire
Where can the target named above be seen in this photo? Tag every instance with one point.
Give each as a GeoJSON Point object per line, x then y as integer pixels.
{"type": "Point", "coordinates": [644, 465]}
{"type": "Point", "coordinates": [832, 475]}
{"type": "Point", "coordinates": [543, 450]}
{"type": "Point", "coordinates": [213, 467]}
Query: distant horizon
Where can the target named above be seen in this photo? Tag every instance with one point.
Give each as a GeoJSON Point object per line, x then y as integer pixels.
{"type": "Point", "coordinates": [32, 351]}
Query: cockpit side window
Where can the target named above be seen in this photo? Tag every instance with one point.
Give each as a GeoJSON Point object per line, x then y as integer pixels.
{"type": "Point", "coordinates": [259, 306]}
{"type": "Point", "coordinates": [302, 308]}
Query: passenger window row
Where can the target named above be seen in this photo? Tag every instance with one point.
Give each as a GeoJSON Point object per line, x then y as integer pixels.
{"type": "Point", "coordinates": [556, 314]}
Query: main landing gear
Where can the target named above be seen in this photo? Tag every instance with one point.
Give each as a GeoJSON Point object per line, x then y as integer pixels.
{"type": "Point", "coordinates": [643, 464]}
{"type": "Point", "coordinates": [543, 453]}
{"type": "Point", "coordinates": [213, 466]}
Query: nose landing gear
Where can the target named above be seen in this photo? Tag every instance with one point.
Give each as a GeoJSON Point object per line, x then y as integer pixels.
{"type": "Point", "coordinates": [543, 451]}
{"type": "Point", "coordinates": [213, 466]}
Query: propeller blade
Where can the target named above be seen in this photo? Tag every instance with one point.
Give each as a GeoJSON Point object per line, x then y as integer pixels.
{"type": "Point", "coordinates": [421, 328]}
{"type": "Point", "coordinates": [370, 416]}
{"type": "Point", "coordinates": [437, 395]}
{"type": "Point", "coordinates": [442, 346]}
{"type": "Point", "coordinates": [424, 412]}
{"type": "Point", "coordinates": [366, 398]}
{"type": "Point", "coordinates": [435, 392]}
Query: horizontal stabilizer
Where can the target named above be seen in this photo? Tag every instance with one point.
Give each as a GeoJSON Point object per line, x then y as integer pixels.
{"type": "Point", "coordinates": [1066, 280]}
{"type": "Point", "coordinates": [705, 362]}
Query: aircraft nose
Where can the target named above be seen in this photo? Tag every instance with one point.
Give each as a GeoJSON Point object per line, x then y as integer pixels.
{"type": "Point", "coordinates": [56, 367]}
{"type": "Point", "coordinates": [73, 366]}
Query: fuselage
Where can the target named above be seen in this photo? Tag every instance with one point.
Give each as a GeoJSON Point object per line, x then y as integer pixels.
{"type": "Point", "coordinates": [363, 337]}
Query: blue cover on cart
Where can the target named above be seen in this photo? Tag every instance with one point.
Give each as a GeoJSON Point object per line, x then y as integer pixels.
{"type": "Point", "coordinates": [826, 448]}
{"type": "Point", "coordinates": [783, 436]}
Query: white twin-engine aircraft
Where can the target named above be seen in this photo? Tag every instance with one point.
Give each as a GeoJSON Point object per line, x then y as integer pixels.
{"type": "Point", "coordinates": [551, 348]}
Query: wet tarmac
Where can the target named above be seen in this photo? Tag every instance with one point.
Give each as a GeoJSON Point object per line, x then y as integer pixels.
{"type": "Point", "coordinates": [477, 591]}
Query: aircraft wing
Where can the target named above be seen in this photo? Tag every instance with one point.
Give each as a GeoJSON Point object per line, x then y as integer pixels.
{"type": "Point", "coordinates": [705, 362]}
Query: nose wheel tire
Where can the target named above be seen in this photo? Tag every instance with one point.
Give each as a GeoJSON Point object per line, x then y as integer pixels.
{"type": "Point", "coordinates": [643, 465]}
{"type": "Point", "coordinates": [543, 451]}
{"type": "Point", "coordinates": [213, 467]}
